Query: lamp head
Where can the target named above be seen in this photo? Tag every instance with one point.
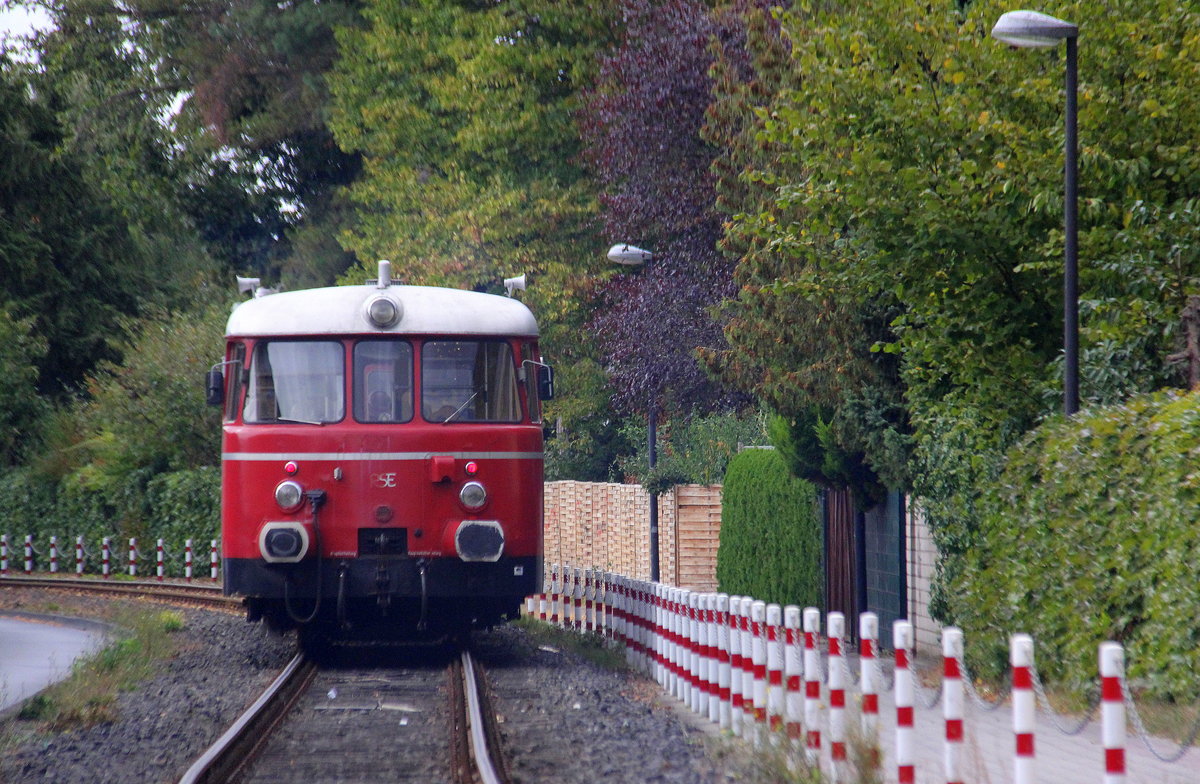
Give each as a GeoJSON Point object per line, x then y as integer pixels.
{"type": "Point", "coordinates": [1030, 29]}
{"type": "Point", "coordinates": [624, 253]}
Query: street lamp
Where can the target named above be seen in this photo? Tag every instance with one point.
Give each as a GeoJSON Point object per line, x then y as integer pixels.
{"type": "Point", "coordinates": [631, 256]}
{"type": "Point", "coordinates": [1030, 29]}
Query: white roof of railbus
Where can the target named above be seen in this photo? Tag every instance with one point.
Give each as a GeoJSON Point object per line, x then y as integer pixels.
{"type": "Point", "coordinates": [425, 310]}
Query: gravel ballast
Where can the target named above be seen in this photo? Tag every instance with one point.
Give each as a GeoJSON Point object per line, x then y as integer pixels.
{"type": "Point", "coordinates": [564, 718]}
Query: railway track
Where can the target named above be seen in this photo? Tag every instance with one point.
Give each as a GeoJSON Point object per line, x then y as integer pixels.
{"type": "Point", "coordinates": [420, 722]}
{"type": "Point", "coordinates": [424, 721]}
{"type": "Point", "coordinates": [188, 594]}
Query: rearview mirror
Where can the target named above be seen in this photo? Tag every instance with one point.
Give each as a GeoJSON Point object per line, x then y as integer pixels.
{"type": "Point", "coordinates": [545, 382]}
{"type": "Point", "coordinates": [214, 387]}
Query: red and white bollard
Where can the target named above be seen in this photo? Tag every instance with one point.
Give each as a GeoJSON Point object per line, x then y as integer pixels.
{"type": "Point", "coordinates": [952, 702]}
{"type": "Point", "coordinates": [706, 610]}
{"type": "Point", "coordinates": [758, 652]}
{"type": "Point", "coordinates": [902, 639]}
{"type": "Point", "coordinates": [793, 670]}
{"type": "Point", "coordinates": [187, 560]}
{"type": "Point", "coordinates": [133, 557]}
{"type": "Point", "coordinates": [724, 663]}
{"type": "Point", "coordinates": [28, 554]}
{"type": "Point", "coordinates": [868, 663]}
{"type": "Point", "coordinates": [79, 556]}
{"type": "Point", "coordinates": [160, 564]}
{"type": "Point", "coordinates": [812, 685]}
{"type": "Point", "coordinates": [577, 599]}
{"type": "Point", "coordinates": [1112, 711]}
{"type": "Point", "coordinates": [775, 702]}
{"type": "Point", "coordinates": [106, 558]}
{"type": "Point", "coordinates": [53, 555]}
{"type": "Point", "coordinates": [214, 560]}
{"type": "Point", "coordinates": [837, 693]}
{"type": "Point", "coordinates": [736, 666]}
{"type": "Point", "coordinates": [747, 637]}
{"type": "Point", "coordinates": [1024, 706]}
{"type": "Point", "coordinates": [3, 555]}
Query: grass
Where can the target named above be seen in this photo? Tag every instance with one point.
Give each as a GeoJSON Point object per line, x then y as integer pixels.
{"type": "Point", "coordinates": [592, 647]}
{"type": "Point", "coordinates": [88, 696]}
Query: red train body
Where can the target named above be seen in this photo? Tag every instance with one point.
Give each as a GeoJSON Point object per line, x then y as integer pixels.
{"type": "Point", "coordinates": [381, 459]}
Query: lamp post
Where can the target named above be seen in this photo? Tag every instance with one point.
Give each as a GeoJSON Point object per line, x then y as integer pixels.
{"type": "Point", "coordinates": [1030, 29]}
{"type": "Point", "coordinates": [631, 256]}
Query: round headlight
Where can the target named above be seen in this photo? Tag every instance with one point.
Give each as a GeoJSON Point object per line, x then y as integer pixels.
{"type": "Point", "coordinates": [289, 495]}
{"type": "Point", "coordinates": [383, 312]}
{"type": "Point", "coordinates": [473, 496]}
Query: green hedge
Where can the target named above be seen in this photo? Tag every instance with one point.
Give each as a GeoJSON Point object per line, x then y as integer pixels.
{"type": "Point", "coordinates": [173, 506]}
{"type": "Point", "coordinates": [1090, 534]}
{"type": "Point", "coordinates": [770, 532]}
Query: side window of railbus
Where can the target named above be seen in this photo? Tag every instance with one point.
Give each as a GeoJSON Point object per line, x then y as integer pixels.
{"type": "Point", "coordinates": [233, 371]}
{"type": "Point", "coordinates": [529, 365]}
{"type": "Point", "coordinates": [296, 381]}
{"type": "Point", "coordinates": [469, 381]}
{"type": "Point", "coordinates": [383, 381]}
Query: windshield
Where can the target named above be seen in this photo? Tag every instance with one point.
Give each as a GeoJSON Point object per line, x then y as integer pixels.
{"type": "Point", "coordinates": [469, 381]}
{"type": "Point", "coordinates": [296, 381]}
{"type": "Point", "coordinates": [383, 381]}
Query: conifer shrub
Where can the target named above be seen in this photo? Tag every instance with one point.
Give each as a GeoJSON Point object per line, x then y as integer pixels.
{"type": "Point", "coordinates": [770, 532]}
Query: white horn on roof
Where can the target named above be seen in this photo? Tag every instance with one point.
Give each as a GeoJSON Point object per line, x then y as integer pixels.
{"type": "Point", "coordinates": [385, 274]}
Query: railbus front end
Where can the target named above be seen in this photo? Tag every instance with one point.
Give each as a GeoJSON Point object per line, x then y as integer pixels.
{"type": "Point", "coordinates": [381, 459]}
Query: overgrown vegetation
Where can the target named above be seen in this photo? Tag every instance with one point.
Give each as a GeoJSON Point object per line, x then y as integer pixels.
{"type": "Point", "coordinates": [1081, 543]}
{"type": "Point", "coordinates": [770, 532]}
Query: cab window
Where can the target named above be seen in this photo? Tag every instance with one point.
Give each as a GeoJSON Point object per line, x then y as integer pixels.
{"type": "Point", "coordinates": [296, 381]}
{"type": "Point", "coordinates": [469, 381]}
{"type": "Point", "coordinates": [383, 390]}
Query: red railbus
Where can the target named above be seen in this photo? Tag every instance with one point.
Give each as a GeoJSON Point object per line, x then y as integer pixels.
{"type": "Point", "coordinates": [381, 459]}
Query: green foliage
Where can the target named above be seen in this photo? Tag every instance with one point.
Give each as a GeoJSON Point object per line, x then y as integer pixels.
{"type": "Point", "coordinates": [21, 408]}
{"type": "Point", "coordinates": [1089, 534]}
{"type": "Point", "coordinates": [770, 532]}
{"type": "Point", "coordinates": [693, 450]}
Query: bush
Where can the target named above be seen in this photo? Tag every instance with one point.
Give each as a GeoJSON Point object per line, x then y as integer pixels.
{"type": "Point", "coordinates": [770, 532]}
{"type": "Point", "coordinates": [1088, 535]}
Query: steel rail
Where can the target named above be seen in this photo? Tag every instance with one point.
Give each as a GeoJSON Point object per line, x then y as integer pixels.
{"type": "Point", "coordinates": [234, 750]}
{"type": "Point", "coordinates": [479, 745]}
{"type": "Point", "coordinates": [203, 594]}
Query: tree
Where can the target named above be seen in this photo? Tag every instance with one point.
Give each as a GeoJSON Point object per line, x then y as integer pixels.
{"type": "Point", "coordinates": [463, 113]}
{"type": "Point", "coordinates": [642, 124]}
{"type": "Point", "coordinates": [917, 214]}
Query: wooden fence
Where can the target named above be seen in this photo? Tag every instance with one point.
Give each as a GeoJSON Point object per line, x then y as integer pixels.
{"type": "Point", "coordinates": [607, 526]}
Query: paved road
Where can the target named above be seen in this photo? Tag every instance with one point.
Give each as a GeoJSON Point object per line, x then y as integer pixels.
{"type": "Point", "coordinates": [36, 651]}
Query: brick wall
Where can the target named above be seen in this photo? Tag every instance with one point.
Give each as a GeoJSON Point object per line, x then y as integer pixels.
{"type": "Point", "coordinates": [922, 555]}
{"type": "Point", "coordinates": [607, 526]}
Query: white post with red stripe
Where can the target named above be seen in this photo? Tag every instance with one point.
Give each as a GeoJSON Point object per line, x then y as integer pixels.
{"type": "Point", "coordinates": [160, 562]}
{"type": "Point", "coordinates": [708, 657]}
{"type": "Point", "coordinates": [214, 560]}
{"type": "Point", "coordinates": [133, 557]}
{"type": "Point", "coordinates": [1112, 711]}
{"type": "Point", "coordinates": [28, 554]}
{"type": "Point", "coordinates": [79, 556]}
{"type": "Point", "coordinates": [577, 599]}
{"type": "Point", "coordinates": [952, 702]}
{"type": "Point", "coordinates": [736, 666]}
{"type": "Point", "coordinates": [747, 637]}
{"type": "Point", "coordinates": [812, 685]}
{"type": "Point", "coordinates": [868, 664]}
{"type": "Point", "coordinates": [589, 600]}
{"type": "Point", "coordinates": [775, 701]}
{"type": "Point", "coordinates": [187, 560]}
{"type": "Point", "coordinates": [905, 695]}
{"type": "Point", "coordinates": [793, 670]}
{"type": "Point", "coordinates": [1024, 707]}
{"type": "Point", "coordinates": [837, 694]}
{"type": "Point", "coordinates": [695, 659]}
{"type": "Point", "coordinates": [106, 557]}
{"type": "Point", "coordinates": [53, 555]}
{"type": "Point", "coordinates": [3, 555]}
{"type": "Point", "coordinates": [758, 653]}
{"type": "Point", "coordinates": [724, 664]}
